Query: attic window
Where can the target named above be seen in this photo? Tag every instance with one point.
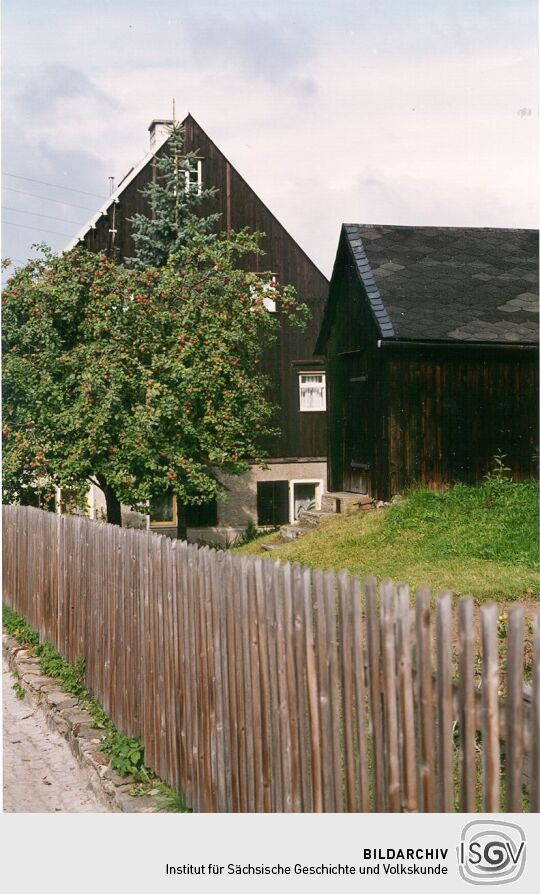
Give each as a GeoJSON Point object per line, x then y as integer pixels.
{"type": "Point", "coordinates": [312, 392]}
{"type": "Point", "coordinates": [193, 176]}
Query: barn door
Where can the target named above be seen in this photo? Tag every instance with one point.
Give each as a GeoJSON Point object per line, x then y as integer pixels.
{"type": "Point", "coordinates": [358, 444]}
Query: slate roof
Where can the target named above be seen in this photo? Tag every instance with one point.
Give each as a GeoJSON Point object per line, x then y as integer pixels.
{"type": "Point", "coordinates": [449, 284]}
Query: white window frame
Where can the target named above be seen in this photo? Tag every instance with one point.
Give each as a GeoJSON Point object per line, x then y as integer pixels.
{"type": "Point", "coordinates": [319, 491]}
{"type": "Point", "coordinates": [186, 173]}
{"type": "Point", "coordinates": [313, 372]}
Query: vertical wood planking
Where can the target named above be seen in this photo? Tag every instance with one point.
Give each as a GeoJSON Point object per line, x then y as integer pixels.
{"type": "Point", "coordinates": [360, 695]}
{"type": "Point", "coordinates": [466, 698]}
{"type": "Point", "coordinates": [313, 698]}
{"type": "Point", "coordinates": [444, 702]}
{"type": "Point", "coordinates": [285, 737]}
{"type": "Point", "coordinates": [264, 689]}
{"type": "Point", "coordinates": [292, 691]}
{"type": "Point", "coordinates": [276, 768]}
{"type": "Point", "coordinates": [347, 687]}
{"type": "Point", "coordinates": [514, 710]}
{"type": "Point", "coordinates": [389, 695]}
{"type": "Point", "coordinates": [246, 680]}
{"type": "Point", "coordinates": [249, 745]}
{"type": "Point", "coordinates": [324, 692]}
{"type": "Point", "coordinates": [374, 682]}
{"type": "Point", "coordinates": [425, 699]}
{"type": "Point", "coordinates": [535, 718]}
{"type": "Point", "coordinates": [335, 689]}
{"type": "Point", "coordinates": [490, 709]}
{"type": "Point", "coordinates": [299, 636]}
{"type": "Point", "coordinates": [406, 700]}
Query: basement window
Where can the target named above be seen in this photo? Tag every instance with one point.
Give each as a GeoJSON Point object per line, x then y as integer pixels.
{"type": "Point", "coordinates": [163, 512]}
{"type": "Point", "coordinates": [312, 392]}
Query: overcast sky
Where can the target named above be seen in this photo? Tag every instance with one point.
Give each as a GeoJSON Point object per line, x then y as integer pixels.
{"type": "Point", "coordinates": [375, 111]}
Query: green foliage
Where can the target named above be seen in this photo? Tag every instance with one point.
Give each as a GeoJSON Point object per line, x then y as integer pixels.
{"type": "Point", "coordinates": [18, 628]}
{"type": "Point", "coordinates": [479, 540]}
{"type": "Point", "coordinates": [19, 690]}
{"type": "Point", "coordinates": [145, 382]}
{"type": "Point", "coordinates": [176, 218]}
{"type": "Point", "coordinates": [127, 756]}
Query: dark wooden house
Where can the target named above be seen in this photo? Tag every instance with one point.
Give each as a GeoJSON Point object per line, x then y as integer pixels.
{"type": "Point", "coordinates": [296, 472]}
{"type": "Point", "coordinates": [431, 341]}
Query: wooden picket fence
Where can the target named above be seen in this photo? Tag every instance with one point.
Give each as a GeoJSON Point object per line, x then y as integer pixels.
{"type": "Point", "coordinates": [260, 686]}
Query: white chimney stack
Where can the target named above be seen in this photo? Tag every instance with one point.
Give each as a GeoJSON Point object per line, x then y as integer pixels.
{"type": "Point", "coordinates": [159, 128]}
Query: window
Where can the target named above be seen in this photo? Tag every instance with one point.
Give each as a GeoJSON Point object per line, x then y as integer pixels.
{"type": "Point", "coordinates": [272, 502]}
{"type": "Point", "coordinates": [163, 510]}
{"type": "Point", "coordinates": [312, 392]}
{"type": "Point", "coordinates": [193, 176]}
{"type": "Point", "coordinates": [203, 516]}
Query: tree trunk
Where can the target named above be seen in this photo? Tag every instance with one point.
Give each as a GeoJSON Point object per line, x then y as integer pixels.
{"type": "Point", "coordinates": [181, 520]}
{"type": "Point", "coordinates": [114, 513]}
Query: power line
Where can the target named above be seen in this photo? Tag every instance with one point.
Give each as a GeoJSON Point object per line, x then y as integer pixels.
{"type": "Point", "coordinates": [48, 216]}
{"type": "Point", "coordinates": [55, 185]}
{"type": "Point", "coordinates": [9, 223]}
{"type": "Point", "coordinates": [33, 195]}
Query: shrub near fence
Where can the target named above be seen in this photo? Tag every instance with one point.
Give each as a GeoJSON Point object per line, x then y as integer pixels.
{"type": "Point", "coordinates": [256, 686]}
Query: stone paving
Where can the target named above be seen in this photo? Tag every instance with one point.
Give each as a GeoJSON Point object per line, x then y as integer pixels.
{"type": "Point", "coordinates": [41, 775]}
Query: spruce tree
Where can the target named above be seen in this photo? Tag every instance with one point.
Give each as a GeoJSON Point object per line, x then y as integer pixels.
{"type": "Point", "coordinates": [176, 204]}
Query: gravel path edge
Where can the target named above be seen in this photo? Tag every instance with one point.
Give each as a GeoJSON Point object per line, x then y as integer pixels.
{"type": "Point", "coordinates": [64, 715]}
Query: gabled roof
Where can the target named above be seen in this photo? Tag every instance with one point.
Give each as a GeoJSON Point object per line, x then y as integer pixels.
{"type": "Point", "coordinates": [444, 283]}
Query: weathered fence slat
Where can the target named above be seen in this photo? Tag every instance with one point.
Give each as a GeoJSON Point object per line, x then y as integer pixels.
{"type": "Point", "coordinates": [467, 719]}
{"type": "Point", "coordinates": [490, 709]}
{"type": "Point", "coordinates": [389, 694]}
{"type": "Point", "coordinates": [535, 719]}
{"type": "Point", "coordinates": [444, 702]}
{"type": "Point", "coordinates": [406, 700]}
{"type": "Point", "coordinates": [514, 710]}
{"type": "Point", "coordinates": [374, 680]}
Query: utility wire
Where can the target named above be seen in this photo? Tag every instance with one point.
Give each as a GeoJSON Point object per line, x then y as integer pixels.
{"type": "Point", "coordinates": [33, 195]}
{"type": "Point", "coordinates": [55, 185]}
{"type": "Point", "coordinates": [48, 216]}
{"type": "Point", "coordinates": [39, 229]}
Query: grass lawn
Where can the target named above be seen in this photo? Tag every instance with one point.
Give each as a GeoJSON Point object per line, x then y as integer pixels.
{"type": "Point", "coordinates": [481, 541]}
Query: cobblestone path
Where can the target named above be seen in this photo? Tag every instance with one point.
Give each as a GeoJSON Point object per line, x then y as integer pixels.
{"type": "Point", "coordinates": [40, 773]}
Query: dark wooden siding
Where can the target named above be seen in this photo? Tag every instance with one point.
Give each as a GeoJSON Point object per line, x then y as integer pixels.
{"type": "Point", "coordinates": [431, 414]}
{"type": "Point", "coordinates": [355, 410]}
{"type": "Point", "coordinates": [302, 434]}
{"type": "Point", "coordinates": [452, 409]}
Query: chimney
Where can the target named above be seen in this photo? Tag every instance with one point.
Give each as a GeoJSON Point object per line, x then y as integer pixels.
{"type": "Point", "coordinates": [159, 128]}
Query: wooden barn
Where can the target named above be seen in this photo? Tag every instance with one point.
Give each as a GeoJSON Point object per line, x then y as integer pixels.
{"type": "Point", "coordinates": [296, 472]}
{"type": "Point", "coordinates": [431, 341]}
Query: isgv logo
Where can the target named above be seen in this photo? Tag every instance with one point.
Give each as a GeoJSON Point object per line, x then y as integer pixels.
{"type": "Point", "coordinates": [491, 852]}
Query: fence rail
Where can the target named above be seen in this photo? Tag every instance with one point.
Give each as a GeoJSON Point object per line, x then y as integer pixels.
{"type": "Point", "coordinates": [259, 686]}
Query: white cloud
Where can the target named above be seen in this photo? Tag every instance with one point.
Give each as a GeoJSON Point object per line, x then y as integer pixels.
{"type": "Point", "coordinates": [380, 135]}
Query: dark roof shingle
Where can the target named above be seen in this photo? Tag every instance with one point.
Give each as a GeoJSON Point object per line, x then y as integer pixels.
{"type": "Point", "coordinates": [449, 284]}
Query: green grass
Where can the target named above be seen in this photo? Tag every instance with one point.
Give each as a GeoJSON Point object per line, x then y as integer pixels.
{"type": "Point", "coordinates": [481, 541]}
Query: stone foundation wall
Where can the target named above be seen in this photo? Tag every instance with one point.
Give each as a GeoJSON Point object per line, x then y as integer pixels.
{"type": "Point", "coordinates": [237, 509]}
